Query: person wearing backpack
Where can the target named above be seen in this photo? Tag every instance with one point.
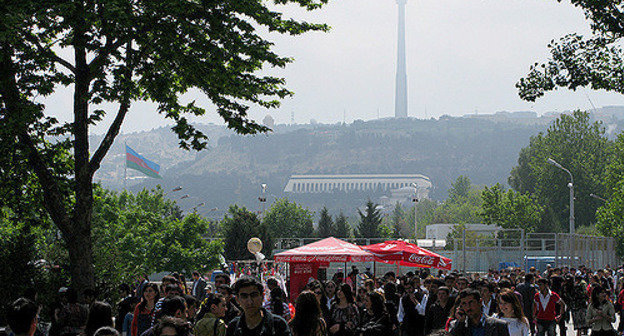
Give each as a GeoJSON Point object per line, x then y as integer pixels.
{"type": "Point", "coordinates": [210, 316]}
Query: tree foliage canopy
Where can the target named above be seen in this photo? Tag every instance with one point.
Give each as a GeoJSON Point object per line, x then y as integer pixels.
{"type": "Point", "coordinates": [237, 227]}
{"type": "Point", "coordinates": [325, 224]}
{"type": "Point", "coordinates": [288, 219]}
{"type": "Point", "coordinates": [120, 52]}
{"type": "Point", "coordinates": [370, 221]}
{"type": "Point", "coordinates": [610, 217]}
{"type": "Point", "coordinates": [510, 209]}
{"type": "Point", "coordinates": [578, 61]}
{"type": "Point", "coordinates": [578, 145]}
{"type": "Point", "coordinates": [146, 233]}
{"type": "Point", "coordinates": [343, 230]}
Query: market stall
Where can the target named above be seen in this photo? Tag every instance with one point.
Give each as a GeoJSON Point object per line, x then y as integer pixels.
{"type": "Point", "coordinates": [304, 261]}
{"type": "Point", "coordinates": [407, 254]}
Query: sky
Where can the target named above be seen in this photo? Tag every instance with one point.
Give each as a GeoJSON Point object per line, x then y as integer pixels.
{"type": "Point", "coordinates": [463, 56]}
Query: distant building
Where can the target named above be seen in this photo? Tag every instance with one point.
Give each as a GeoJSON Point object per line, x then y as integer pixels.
{"type": "Point", "coordinates": [441, 231]}
{"type": "Point", "coordinates": [404, 196]}
{"type": "Point", "coordinates": [268, 121]}
{"type": "Point", "coordinates": [359, 182]}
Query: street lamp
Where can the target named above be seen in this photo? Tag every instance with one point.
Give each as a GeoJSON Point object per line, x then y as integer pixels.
{"type": "Point", "coordinates": [571, 186]}
{"type": "Point", "coordinates": [178, 188]}
{"type": "Point", "coordinates": [184, 196]}
{"type": "Point", "coordinates": [415, 200]}
{"type": "Point", "coordinates": [262, 197]}
{"type": "Point", "coordinates": [198, 205]}
{"type": "Point", "coordinates": [598, 197]}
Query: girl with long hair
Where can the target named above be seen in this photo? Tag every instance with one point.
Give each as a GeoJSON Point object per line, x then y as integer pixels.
{"type": "Point", "coordinates": [318, 289]}
{"type": "Point", "coordinates": [277, 304]}
{"type": "Point", "coordinates": [144, 311]}
{"type": "Point", "coordinates": [600, 313]}
{"type": "Point", "coordinates": [330, 290]}
{"type": "Point", "coordinates": [511, 311]}
{"type": "Point", "coordinates": [577, 302]}
{"type": "Point", "coordinates": [308, 320]}
{"type": "Point", "coordinates": [377, 322]}
{"type": "Point", "coordinates": [344, 313]}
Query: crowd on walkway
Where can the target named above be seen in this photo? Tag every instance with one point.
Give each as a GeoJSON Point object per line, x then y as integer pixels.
{"type": "Point", "coordinates": [500, 303]}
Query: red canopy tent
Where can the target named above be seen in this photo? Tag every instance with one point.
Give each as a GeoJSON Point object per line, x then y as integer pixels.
{"type": "Point", "coordinates": [408, 254]}
{"type": "Point", "coordinates": [305, 260]}
{"type": "Point", "coordinates": [327, 250]}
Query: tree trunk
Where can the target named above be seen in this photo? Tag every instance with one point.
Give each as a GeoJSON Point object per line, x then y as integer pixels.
{"type": "Point", "coordinates": [80, 249]}
{"type": "Point", "coordinates": [78, 241]}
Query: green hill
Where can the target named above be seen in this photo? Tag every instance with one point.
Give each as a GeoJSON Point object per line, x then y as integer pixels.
{"type": "Point", "coordinates": [234, 166]}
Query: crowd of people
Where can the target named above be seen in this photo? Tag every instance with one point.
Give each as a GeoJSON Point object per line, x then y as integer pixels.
{"type": "Point", "coordinates": [500, 303]}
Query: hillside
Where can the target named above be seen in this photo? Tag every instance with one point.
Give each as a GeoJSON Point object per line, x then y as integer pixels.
{"type": "Point", "coordinates": [234, 166]}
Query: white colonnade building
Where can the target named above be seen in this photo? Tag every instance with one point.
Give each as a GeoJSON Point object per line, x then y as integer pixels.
{"type": "Point", "coordinates": [303, 184]}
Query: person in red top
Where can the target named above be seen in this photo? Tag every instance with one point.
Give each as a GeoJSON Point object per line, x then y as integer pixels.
{"type": "Point", "coordinates": [545, 312]}
{"type": "Point", "coordinates": [620, 301]}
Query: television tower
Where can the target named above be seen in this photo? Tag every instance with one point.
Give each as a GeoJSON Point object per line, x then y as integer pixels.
{"type": "Point", "coordinates": [400, 97]}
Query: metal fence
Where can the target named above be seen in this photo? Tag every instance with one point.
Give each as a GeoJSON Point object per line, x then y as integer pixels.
{"type": "Point", "coordinates": [475, 251]}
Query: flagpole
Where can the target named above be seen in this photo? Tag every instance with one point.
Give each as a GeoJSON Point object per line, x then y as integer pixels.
{"type": "Point", "coordinates": [125, 165]}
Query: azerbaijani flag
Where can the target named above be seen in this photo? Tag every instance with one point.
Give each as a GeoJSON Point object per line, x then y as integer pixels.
{"type": "Point", "coordinates": [135, 161]}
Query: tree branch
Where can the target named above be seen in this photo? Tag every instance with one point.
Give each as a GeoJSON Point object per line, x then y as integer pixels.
{"type": "Point", "coordinates": [50, 53]}
{"type": "Point", "coordinates": [124, 106]}
{"type": "Point", "coordinates": [99, 60]}
{"type": "Point", "coordinates": [108, 140]}
{"type": "Point", "coordinates": [16, 107]}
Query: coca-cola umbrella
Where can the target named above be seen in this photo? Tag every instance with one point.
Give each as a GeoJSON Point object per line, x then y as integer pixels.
{"type": "Point", "coordinates": [407, 254]}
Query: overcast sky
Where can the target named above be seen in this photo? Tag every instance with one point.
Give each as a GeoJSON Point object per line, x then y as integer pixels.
{"type": "Point", "coordinates": [462, 56]}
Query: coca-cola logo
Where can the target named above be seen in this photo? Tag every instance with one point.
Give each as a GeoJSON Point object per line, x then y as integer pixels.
{"type": "Point", "coordinates": [420, 259]}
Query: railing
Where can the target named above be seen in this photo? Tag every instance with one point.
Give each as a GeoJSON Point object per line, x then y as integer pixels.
{"type": "Point", "coordinates": [506, 246]}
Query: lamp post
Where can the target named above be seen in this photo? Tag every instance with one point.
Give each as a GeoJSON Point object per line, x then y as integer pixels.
{"type": "Point", "coordinates": [571, 186]}
{"type": "Point", "coordinates": [178, 188]}
{"type": "Point", "coordinates": [262, 197]}
{"type": "Point", "coordinates": [415, 200]}
{"type": "Point", "coordinates": [598, 197]}
{"type": "Point", "coordinates": [198, 205]}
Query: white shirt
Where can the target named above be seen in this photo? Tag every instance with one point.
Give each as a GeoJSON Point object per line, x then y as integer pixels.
{"type": "Point", "coordinates": [516, 326]}
{"type": "Point", "coordinates": [420, 308]}
{"type": "Point", "coordinates": [544, 299]}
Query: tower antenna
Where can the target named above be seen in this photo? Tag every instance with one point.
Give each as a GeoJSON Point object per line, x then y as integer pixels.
{"type": "Point", "coordinates": [400, 98]}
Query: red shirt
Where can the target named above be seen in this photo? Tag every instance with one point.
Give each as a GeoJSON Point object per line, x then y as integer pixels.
{"type": "Point", "coordinates": [548, 313]}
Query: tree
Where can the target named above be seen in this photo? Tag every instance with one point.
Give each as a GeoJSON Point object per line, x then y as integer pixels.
{"type": "Point", "coordinates": [17, 255]}
{"type": "Point", "coordinates": [370, 221]}
{"type": "Point", "coordinates": [123, 51]}
{"type": "Point", "coordinates": [144, 234]}
{"type": "Point", "coordinates": [577, 144]}
{"type": "Point", "coordinates": [343, 230]}
{"type": "Point", "coordinates": [237, 227]}
{"type": "Point", "coordinates": [577, 61]}
{"type": "Point", "coordinates": [288, 220]}
{"type": "Point", "coordinates": [461, 206]}
{"type": "Point", "coordinates": [459, 189]}
{"type": "Point", "coordinates": [397, 222]}
{"type": "Point", "coordinates": [510, 209]}
{"type": "Point", "coordinates": [610, 217]}
{"type": "Point", "coordinates": [325, 224]}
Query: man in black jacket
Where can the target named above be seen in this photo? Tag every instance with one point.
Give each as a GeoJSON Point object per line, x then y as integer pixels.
{"type": "Point", "coordinates": [474, 322]}
{"type": "Point", "coordinates": [198, 289]}
{"type": "Point", "coordinates": [255, 320]}
{"type": "Point", "coordinates": [412, 321]}
{"type": "Point", "coordinates": [528, 290]}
